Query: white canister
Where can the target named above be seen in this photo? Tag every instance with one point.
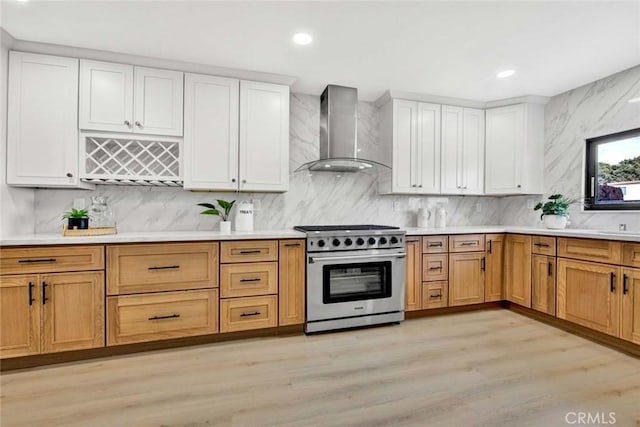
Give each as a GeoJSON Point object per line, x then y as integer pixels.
{"type": "Point", "coordinates": [423, 217]}
{"type": "Point", "coordinates": [244, 217]}
{"type": "Point", "coordinates": [441, 218]}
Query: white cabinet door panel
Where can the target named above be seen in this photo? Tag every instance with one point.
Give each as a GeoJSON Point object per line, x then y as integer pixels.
{"type": "Point", "coordinates": [451, 149]}
{"type": "Point", "coordinates": [504, 149]}
{"type": "Point", "coordinates": [106, 96]}
{"type": "Point", "coordinates": [428, 146]}
{"type": "Point", "coordinates": [158, 101]}
{"type": "Point", "coordinates": [404, 146]}
{"type": "Point", "coordinates": [473, 151]}
{"type": "Point", "coordinates": [210, 133]}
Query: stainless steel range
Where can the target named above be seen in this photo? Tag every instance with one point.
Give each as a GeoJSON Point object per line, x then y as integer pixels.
{"type": "Point", "coordinates": [355, 276]}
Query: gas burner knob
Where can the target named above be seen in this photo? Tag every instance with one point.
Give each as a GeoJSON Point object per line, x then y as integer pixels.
{"type": "Point", "coordinates": [371, 241]}
{"type": "Point", "coordinates": [321, 243]}
{"type": "Point", "coordinates": [348, 241]}
{"type": "Point", "coordinates": [383, 240]}
{"type": "Point", "coordinates": [394, 240]}
{"type": "Point", "coordinates": [360, 241]}
{"type": "Point", "coordinates": [336, 242]}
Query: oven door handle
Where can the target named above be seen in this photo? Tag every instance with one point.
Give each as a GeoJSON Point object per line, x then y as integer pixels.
{"type": "Point", "coordinates": [312, 260]}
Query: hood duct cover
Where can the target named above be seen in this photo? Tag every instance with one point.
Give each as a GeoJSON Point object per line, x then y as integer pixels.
{"type": "Point", "coordinates": [339, 134]}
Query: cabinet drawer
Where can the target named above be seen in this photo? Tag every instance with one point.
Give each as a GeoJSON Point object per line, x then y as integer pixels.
{"type": "Point", "coordinates": [434, 267]}
{"type": "Point", "coordinates": [434, 294]}
{"type": "Point", "coordinates": [249, 251]}
{"type": "Point", "coordinates": [543, 245]}
{"type": "Point", "coordinates": [138, 318]}
{"type": "Point", "coordinates": [631, 254]}
{"type": "Point", "coordinates": [242, 314]}
{"type": "Point", "coordinates": [590, 250]}
{"type": "Point", "coordinates": [251, 279]}
{"type": "Point", "coordinates": [435, 244]}
{"type": "Point", "coordinates": [466, 243]}
{"type": "Point", "coordinates": [161, 267]}
{"type": "Point", "coordinates": [51, 259]}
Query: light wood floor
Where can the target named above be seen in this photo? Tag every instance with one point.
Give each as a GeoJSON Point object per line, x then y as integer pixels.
{"type": "Point", "coordinates": [490, 368]}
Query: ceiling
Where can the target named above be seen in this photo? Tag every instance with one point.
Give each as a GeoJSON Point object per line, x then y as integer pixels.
{"type": "Point", "coordinates": [440, 48]}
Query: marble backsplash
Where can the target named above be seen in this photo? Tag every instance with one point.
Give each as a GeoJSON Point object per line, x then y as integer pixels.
{"type": "Point", "coordinates": [321, 198]}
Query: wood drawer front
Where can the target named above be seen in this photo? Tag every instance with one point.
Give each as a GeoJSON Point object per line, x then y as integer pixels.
{"type": "Point", "coordinates": [245, 280]}
{"type": "Point", "coordinates": [133, 269]}
{"type": "Point", "coordinates": [466, 243]}
{"type": "Point", "coordinates": [435, 267]}
{"type": "Point", "coordinates": [242, 314]}
{"type": "Point", "coordinates": [151, 317]}
{"type": "Point", "coordinates": [435, 244]}
{"type": "Point", "coordinates": [543, 245]}
{"type": "Point", "coordinates": [631, 254]}
{"type": "Point", "coordinates": [51, 259]}
{"type": "Point", "coordinates": [249, 251]}
{"type": "Point", "coordinates": [590, 250]}
{"type": "Point", "coordinates": [435, 294]}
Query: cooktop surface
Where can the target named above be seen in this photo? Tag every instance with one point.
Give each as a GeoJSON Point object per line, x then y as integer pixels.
{"type": "Point", "coordinates": [358, 227]}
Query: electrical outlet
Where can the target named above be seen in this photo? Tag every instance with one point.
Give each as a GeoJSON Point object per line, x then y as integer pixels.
{"type": "Point", "coordinates": [257, 204]}
{"type": "Point", "coordinates": [396, 206]}
{"type": "Point", "coordinates": [530, 203]}
{"type": "Point", "coordinates": [79, 203]}
{"type": "Point", "coordinates": [478, 207]}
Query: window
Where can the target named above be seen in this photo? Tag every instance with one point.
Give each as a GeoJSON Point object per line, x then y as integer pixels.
{"type": "Point", "coordinates": [613, 172]}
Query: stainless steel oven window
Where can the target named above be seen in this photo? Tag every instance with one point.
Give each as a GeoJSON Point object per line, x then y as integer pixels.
{"type": "Point", "coordinates": [356, 281]}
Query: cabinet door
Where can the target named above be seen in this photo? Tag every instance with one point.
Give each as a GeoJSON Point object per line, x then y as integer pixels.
{"type": "Point", "coordinates": [504, 149]}
{"type": "Point", "coordinates": [466, 278]}
{"type": "Point", "coordinates": [264, 137]}
{"type": "Point", "coordinates": [106, 96]}
{"type": "Point", "coordinates": [19, 316]}
{"type": "Point", "coordinates": [428, 148]}
{"type": "Point", "coordinates": [472, 163]}
{"type": "Point", "coordinates": [413, 276]}
{"type": "Point", "coordinates": [630, 328]}
{"type": "Point", "coordinates": [451, 168]}
{"type": "Point", "coordinates": [210, 132]}
{"type": "Point", "coordinates": [518, 269]}
{"type": "Point", "coordinates": [73, 311]}
{"type": "Point", "coordinates": [588, 294]}
{"type": "Point", "coordinates": [543, 284]}
{"type": "Point", "coordinates": [405, 151]}
{"type": "Point", "coordinates": [158, 101]}
{"type": "Point", "coordinates": [291, 274]}
{"type": "Point", "coordinates": [42, 134]}
{"type": "Point", "coordinates": [494, 276]}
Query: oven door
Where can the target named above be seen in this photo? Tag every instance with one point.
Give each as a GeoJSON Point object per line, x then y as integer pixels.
{"type": "Point", "coordinates": [348, 284]}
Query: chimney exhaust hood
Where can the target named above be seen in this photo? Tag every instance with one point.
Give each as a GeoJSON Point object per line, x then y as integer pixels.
{"type": "Point", "coordinates": [339, 134]}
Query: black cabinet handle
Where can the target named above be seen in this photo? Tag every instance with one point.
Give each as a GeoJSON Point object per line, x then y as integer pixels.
{"type": "Point", "coordinates": [44, 293]}
{"type": "Point", "coordinates": [166, 267]}
{"type": "Point", "coordinates": [255, 313]}
{"type": "Point", "coordinates": [468, 243]}
{"type": "Point", "coordinates": [171, 316]}
{"type": "Point", "coordinates": [544, 245]}
{"type": "Point", "coordinates": [483, 264]}
{"type": "Point", "coordinates": [435, 244]}
{"type": "Point", "coordinates": [490, 247]}
{"type": "Point", "coordinates": [435, 296]}
{"type": "Point", "coordinates": [550, 272]}
{"type": "Point", "coordinates": [31, 261]}
{"type": "Point", "coordinates": [292, 244]}
{"type": "Point", "coordinates": [625, 288]}
{"type": "Point", "coordinates": [31, 298]}
{"type": "Point", "coordinates": [250, 252]}
{"type": "Point", "coordinates": [257, 279]}
{"type": "Point", "coordinates": [612, 279]}
{"type": "Point", "coordinates": [435, 268]}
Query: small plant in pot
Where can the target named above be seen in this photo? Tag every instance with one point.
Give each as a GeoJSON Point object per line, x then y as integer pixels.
{"type": "Point", "coordinates": [223, 210]}
{"type": "Point", "coordinates": [555, 212]}
{"type": "Point", "coordinates": [77, 218]}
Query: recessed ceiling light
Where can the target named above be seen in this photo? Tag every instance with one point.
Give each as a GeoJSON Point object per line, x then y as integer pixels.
{"type": "Point", "coordinates": [505, 73]}
{"type": "Point", "coordinates": [302, 38]}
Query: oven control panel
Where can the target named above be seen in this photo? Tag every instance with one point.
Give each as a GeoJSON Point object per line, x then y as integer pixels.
{"type": "Point", "coordinates": [353, 241]}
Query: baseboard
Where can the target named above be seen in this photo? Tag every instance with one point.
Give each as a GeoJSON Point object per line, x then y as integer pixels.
{"type": "Point", "coordinates": [449, 310]}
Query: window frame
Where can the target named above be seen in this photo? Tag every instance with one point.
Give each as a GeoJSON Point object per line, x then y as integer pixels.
{"type": "Point", "coordinates": [590, 170]}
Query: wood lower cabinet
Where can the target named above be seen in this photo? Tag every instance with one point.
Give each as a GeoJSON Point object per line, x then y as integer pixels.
{"type": "Point", "coordinates": [588, 294]}
{"type": "Point", "coordinates": [434, 267]}
{"type": "Point", "coordinates": [246, 279]}
{"type": "Point", "coordinates": [243, 314]}
{"type": "Point", "coordinates": [590, 250]}
{"type": "Point", "coordinates": [291, 282]}
{"type": "Point", "coordinates": [630, 326]}
{"type": "Point", "coordinates": [413, 274]}
{"type": "Point", "coordinates": [494, 274]}
{"type": "Point", "coordinates": [543, 284]}
{"type": "Point", "coordinates": [19, 316]}
{"type": "Point", "coordinates": [518, 269]}
{"type": "Point", "coordinates": [435, 294]}
{"type": "Point", "coordinates": [466, 278]}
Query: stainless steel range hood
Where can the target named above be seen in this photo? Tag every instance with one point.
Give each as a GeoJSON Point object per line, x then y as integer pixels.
{"type": "Point", "coordinates": [339, 134]}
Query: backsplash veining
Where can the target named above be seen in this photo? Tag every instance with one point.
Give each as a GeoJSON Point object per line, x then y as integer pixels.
{"type": "Point", "coordinates": [321, 198]}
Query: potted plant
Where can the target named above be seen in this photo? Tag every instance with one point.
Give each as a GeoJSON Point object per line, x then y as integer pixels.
{"type": "Point", "coordinates": [77, 218]}
{"type": "Point", "coordinates": [222, 210]}
{"type": "Point", "coordinates": [555, 212]}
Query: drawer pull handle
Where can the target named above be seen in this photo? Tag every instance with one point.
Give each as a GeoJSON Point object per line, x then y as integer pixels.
{"type": "Point", "coordinates": [255, 313]}
{"type": "Point", "coordinates": [435, 268]}
{"type": "Point", "coordinates": [31, 298]}
{"type": "Point", "coordinates": [625, 288]}
{"type": "Point", "coordinates": [170, 316]}
{"type": "Point", "coordinates": [469, 244]}
{"type": "Point", "coordinates": [292, 244]}
{"type": "Point", "coordinates": [30, 261]}
{"type": "Point", "coordinates": [490, 246]}
{"type": "Point", "coordinates": [435, 296]}
{"type": "Point", "coordinates": [435, 244]}
{"type": "Point", "coordinates": [543, 245]}
{"type": "Point", "coordinates": [166, 267]}
{"type": "Point", "coordinates": [612, 279]}
{"type": "Point", "coordinates": [44, 293]}
{"type": "Point", "coordinates": [250, 252]}
{"type": "Point", "coordinates": [257, 279]}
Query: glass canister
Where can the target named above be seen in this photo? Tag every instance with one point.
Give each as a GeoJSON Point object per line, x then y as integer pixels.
{"type": "Point", "coordinates": [100, 213]}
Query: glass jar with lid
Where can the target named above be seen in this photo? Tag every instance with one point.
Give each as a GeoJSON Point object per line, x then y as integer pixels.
{"type": "Point", "coordinates": [100, 213]}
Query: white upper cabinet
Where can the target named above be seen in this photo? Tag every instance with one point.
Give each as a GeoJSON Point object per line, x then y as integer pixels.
{"type": "Point", "coordinates": [124, 98]}
{"type": "Point", "coordinates": [515, 149]}
{"type": "Point", "coordinates": [452, 129]}
{"type": "Point", "coordinates": [264, 137]}
{"type": "Point", "coordinates": [210, 132]}
{"type": "Point", "coordinates": [42, 134]}
{"type": "Point", "coordinates": [428, 147]}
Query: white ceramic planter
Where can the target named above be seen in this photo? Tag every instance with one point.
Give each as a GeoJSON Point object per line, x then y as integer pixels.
{"type": "Point", "coordinates": [225, 227]}
{"type": "Point", "coordinates": [555, 222]}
